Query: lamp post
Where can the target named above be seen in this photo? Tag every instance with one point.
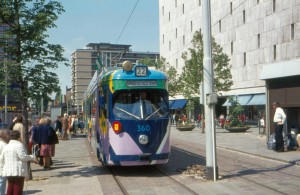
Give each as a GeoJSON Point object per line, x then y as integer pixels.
{"type": "Point", "coordinates": [6, 81]}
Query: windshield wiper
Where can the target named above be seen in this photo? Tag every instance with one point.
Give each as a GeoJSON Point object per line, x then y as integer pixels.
{"type": "Point", "coordinates": [128, 113]}
{"type": "Point", "coordinates": [153, 113]}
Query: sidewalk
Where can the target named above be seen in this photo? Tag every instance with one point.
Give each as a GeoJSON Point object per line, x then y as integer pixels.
{"type": "Point", "coordinates": [76, 169]}
{"type": "Point", "coordinates": [249, 142]}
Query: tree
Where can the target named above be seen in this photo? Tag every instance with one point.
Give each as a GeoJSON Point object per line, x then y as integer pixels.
{"type": "Point", "coordinates": [162, 65]}
{"type": "Point", "coordinates": [192, 74]}
{"type": "Point", "coordinates": [29, 56]}
{"type": "Point", "coordinates": [235, 110]}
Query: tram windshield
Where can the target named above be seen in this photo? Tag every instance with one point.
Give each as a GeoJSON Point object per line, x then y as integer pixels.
{"type": "Point", "coordinates": [140, 104]}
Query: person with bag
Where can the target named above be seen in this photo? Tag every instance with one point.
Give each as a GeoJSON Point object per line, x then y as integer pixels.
{"type": "Point", "coordinates": [279, 120]}
{"type": "Point", "coordinates": [14, 159]}
{"type": "Point", "coordinates": [47, 138]}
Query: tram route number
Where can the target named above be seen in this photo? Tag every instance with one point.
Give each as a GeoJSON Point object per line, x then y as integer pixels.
{"type": "Point", "coordinates": [141, 128]}
{"type": "Point", "coordinates": [141, 71]}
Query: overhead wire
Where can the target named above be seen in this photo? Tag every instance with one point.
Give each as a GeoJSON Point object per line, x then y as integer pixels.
{"type": "Point", "coordinates": [127, 21]}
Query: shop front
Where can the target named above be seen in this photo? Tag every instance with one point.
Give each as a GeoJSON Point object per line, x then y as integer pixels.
{"type": "Point", "coordinates": [283, 86]}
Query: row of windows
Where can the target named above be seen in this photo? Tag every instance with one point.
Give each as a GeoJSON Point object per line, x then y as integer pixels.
{"type": "Point", "coordinates": [244, 13]}
{"type": "Point", "coordinates": [274, 55]}
{"type": "Point", "coordinates": [183, 9]}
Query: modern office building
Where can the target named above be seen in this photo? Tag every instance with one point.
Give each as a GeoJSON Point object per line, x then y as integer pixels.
{"type": "Point", "coordinates": [259, 36]}
{"type": "Point", "coordinates": [84, 63]}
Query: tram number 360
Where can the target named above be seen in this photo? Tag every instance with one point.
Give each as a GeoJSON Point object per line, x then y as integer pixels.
{"type": "Point", "coordinates": [143, 127]}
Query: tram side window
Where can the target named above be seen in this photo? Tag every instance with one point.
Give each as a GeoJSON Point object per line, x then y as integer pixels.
{"type": "Point", "coordinates": [106, 100]}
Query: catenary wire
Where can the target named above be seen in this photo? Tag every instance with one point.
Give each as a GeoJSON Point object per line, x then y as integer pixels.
{"type": "Point", "coordinates": [127, 20]}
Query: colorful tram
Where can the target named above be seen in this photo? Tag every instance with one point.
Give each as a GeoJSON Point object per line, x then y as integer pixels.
{"type": "Point", "coordinates": [127, 111]}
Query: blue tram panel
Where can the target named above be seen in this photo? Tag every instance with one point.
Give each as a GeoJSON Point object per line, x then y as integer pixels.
{"type": "Point", "coordinates": [131, 119]}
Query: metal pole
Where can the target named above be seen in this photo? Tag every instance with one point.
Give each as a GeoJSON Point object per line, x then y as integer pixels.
{"type": "Point", "coordinates": [211, 165]}
{"type": "Point", "coordinates": [42, 105]}
{"type": "Point", "coordinates": [6, 82]}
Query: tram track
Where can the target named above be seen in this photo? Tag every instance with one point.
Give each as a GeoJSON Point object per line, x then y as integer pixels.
{"type": "Point", "coordinates": [145, 178]}
{"type": "Point", "coordinates": [249, 165]}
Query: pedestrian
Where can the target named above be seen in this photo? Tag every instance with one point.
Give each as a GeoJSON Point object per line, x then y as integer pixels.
{"type": "Point", "coordinates": [222, 120]}
{"type": "Point", "coordinates": [14, 159]}
{"type": "Point", "coordinates": [199, 125]}
{"type": "Point", "coordinates": [279, 120]}
{"type": "Point", "coordinates": [81, 126]}
{"type": "Point", "coordinates": [65, 127]}
{"type": "Point", "coordinates": [19, 127]}
{"type": "Point", "coordinates": [4, 139]}
{"type": "Point", "coordinates": [58, 126]}
{"type": "Point", "coordinates": [11, 126]}
{"type": "Point", "coordinates": [47, 140]}
{"type": "Point", "coordinates": [263, 124]}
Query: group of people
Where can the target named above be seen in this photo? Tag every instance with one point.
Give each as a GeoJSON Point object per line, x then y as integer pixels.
{"type": "Point", "coordinates": [68, 125]}
{"type": "Point", "coordinates": [14, 155]}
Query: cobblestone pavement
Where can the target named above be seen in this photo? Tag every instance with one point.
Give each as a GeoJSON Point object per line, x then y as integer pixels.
{"type": "Point", "coordinates": [77, 171]}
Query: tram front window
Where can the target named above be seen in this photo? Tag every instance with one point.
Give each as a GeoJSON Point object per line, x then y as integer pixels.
{"type": "Point", "coordinates": [140, 104]}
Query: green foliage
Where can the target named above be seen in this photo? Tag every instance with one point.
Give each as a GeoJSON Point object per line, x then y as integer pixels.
{"type": "Point", "coordinates": [192, 74]}
{"type": "Point", "coordinates": [30, 56]}
{"type": "Point", "coordinates": [235, 110]}
{"type": "Point", "coordinates": [170, 71]}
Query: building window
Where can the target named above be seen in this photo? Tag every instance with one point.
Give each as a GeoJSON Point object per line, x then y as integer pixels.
{"type": "Point", "coordinates": [245, 58]}
{"type": "Point", "coordinates": [183, 40]}
{"type": "Point", "coordinates": [175, 3]}
{"type": "Point", "coordinates": [257, 1]}
{"type": "Point", "coordinates": [191, 26]}
{"type": "Point", "coordinates": [163, 38]}
{"type": "Point", "coordinates": [176, 32]}
{"type": "Point", "coordinates": [231, 48]}
{"type": "Point", "coordinates": [199, 2]}
{"type": "Point", "coordinates": [182, 8]}
{"type": "Point", "coordinates": [231, 8]}
{"type": "Point", "coordinates": [170, 46]}
{"type": "Point", "coordinates": [274, 5]}
{"type": "Point", "coordinates": [176, 63]}
{"type": "Point", "coordinates": [258, 41]}
{"type": "Point", "coordinates": [244, 16]}
{"type": "Point", "coordinates": [292, 31]}
{"type": "Point", "coordinates": [220, 26]}
{"type": "Point", "coordinates": [274, 50]}
{"type": "Point", "coordinates": [169, 16]}
{"type": "Point", "coordinates": [163, 10]}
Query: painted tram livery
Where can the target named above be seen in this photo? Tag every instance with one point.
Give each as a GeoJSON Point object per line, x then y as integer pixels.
{"type": "Point", "coordinates": [128, 111]}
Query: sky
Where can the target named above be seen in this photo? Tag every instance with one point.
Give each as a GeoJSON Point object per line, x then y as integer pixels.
{"type": "Point", "coordinates": [102, 21]}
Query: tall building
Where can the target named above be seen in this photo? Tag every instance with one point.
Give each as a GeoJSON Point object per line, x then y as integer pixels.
{"type": "Point", "coordinates": [259, 36]}
{"type": "Point", "coordinates": [12, 103]}
{"type": "Point", "coordinates": [84, 63]}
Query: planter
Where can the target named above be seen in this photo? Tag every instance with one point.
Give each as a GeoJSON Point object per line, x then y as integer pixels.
{"type": "Point", "coordinates": [237, 129]}
{"type": "Point", "coordinates": [185, 128]}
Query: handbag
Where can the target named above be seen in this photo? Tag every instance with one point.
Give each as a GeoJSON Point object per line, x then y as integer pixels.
{"type": "Point", "coordinates": [36, 150]}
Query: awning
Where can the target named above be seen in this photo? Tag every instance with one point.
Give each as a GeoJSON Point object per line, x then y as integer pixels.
{"type": "Point", "coordinates": [258, 99]}
{"type": "Point", "coordinates": [282, 69]}
{"type": "Point", "coordinates": [242, 99]}
{"type": "Point", "coordinates": [178, 104]}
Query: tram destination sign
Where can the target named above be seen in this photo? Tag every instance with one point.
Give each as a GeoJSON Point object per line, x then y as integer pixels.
{"type": "Point", "coordinates": [141, 83]}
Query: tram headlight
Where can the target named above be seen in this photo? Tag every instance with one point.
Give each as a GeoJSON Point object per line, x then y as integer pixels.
{"type": "Point", "coordinates": [127, 66]}
{"type": "Point", "coordinates": [143, 139]}
{"type": "Point", "coordinates": [117, 126]}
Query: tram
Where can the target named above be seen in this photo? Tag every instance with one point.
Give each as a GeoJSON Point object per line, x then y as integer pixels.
{"type": "Point", "coordinates": [127, 112]}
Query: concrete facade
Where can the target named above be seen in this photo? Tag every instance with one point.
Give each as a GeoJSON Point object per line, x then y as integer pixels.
{"type": "Point", "coordinates": [84, 60]}
{"type": "Point", "coordinates": [253, 33]}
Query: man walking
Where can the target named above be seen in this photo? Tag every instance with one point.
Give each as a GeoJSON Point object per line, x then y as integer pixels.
{"type": "Point", "coordinates": [279, 120]}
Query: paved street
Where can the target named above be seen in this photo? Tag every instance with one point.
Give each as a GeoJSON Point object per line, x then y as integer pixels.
{"type": "Point", "coordinates": [76, 170]}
